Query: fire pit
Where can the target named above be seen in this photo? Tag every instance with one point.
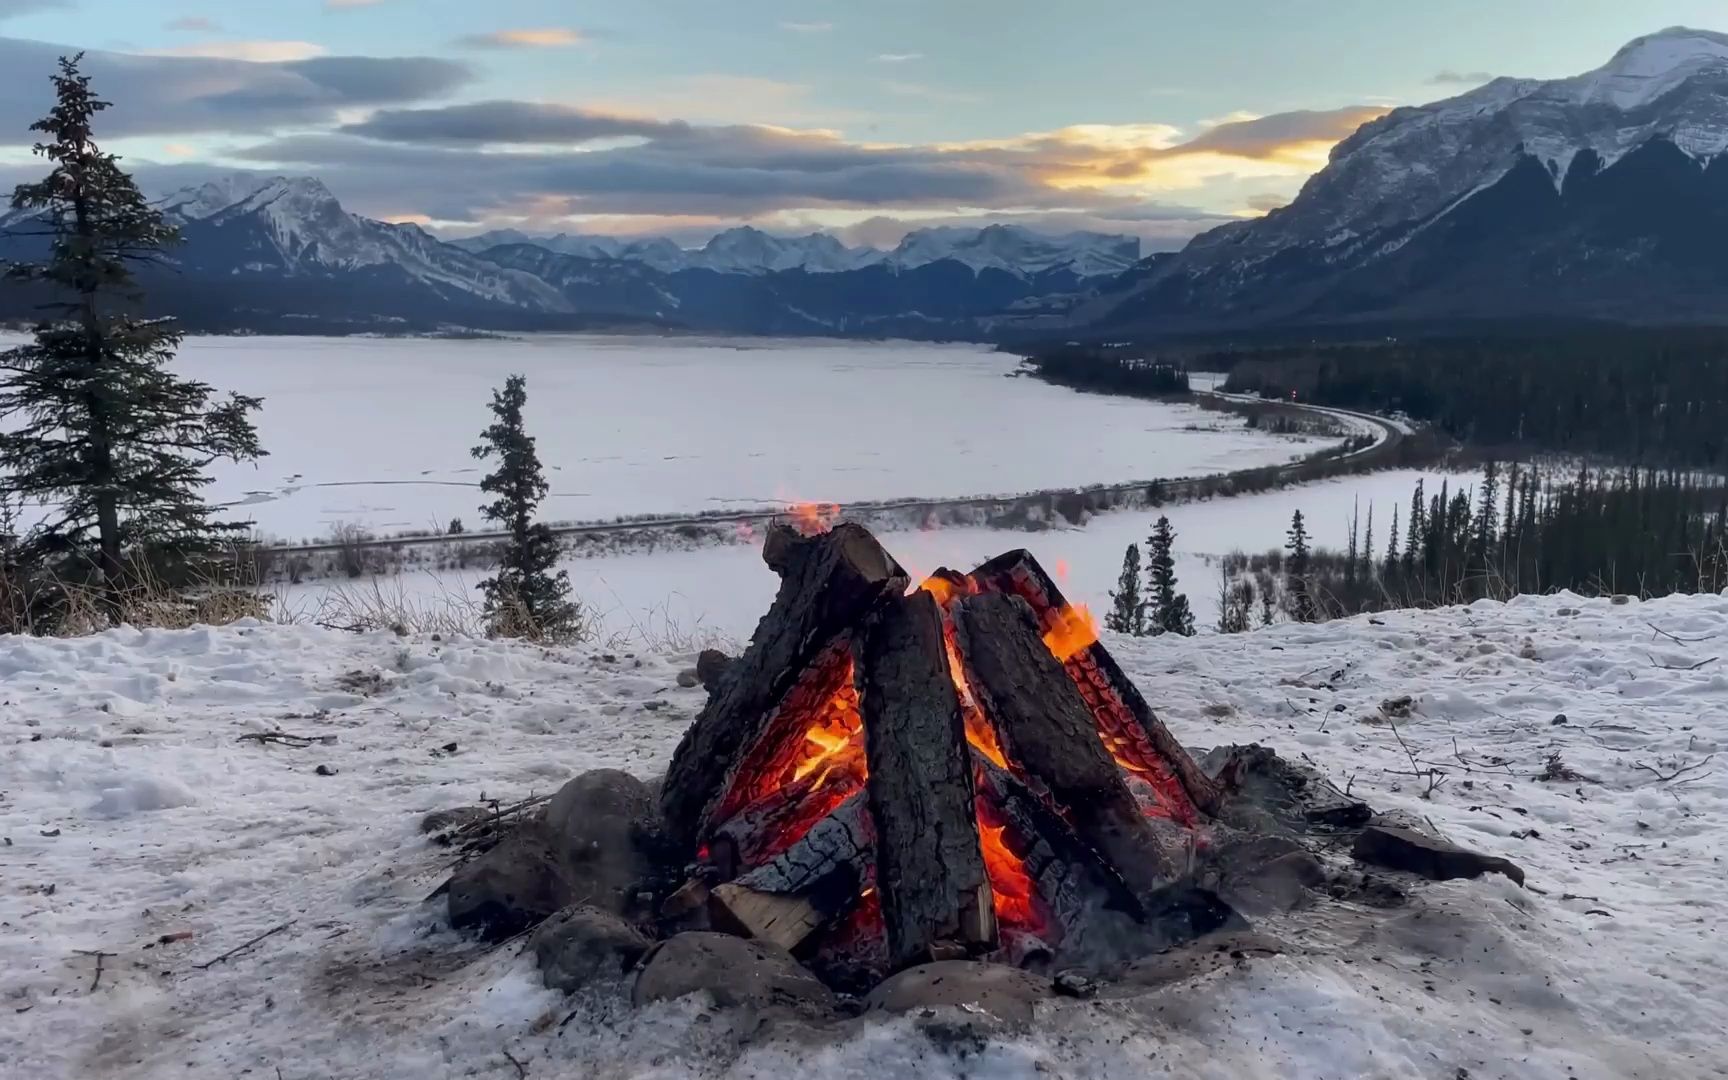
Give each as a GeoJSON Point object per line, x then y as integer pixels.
{"type": "Point", "coordinates": [899, 773]}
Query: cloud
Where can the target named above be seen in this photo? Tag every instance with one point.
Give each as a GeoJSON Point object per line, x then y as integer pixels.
{"type": "Point", "coordinates": [11, 8]}
{"type": "Point", "coordinates": [487, 161]}
{"type": "Point", "coordinates": [262, 52]}
{"type": "Point", "coordinates": [1460, 78]}
{"type": "Point", "coordinates": [189, 94]}
{"type": "Point", "coordinates": [343, 5]}
{"type": "Point", "coordinates": [550, 37]}
{"type": "Point", "coordinates": [1266, 202]}
{"type": "Point", "coordinates": [897, 58]}
{"type": "Point", "coordinates": [807, 27]}
{"type": "Point", "coordinates": [193, 24]}
{"type": "Point", "coordinates": [506, 122]}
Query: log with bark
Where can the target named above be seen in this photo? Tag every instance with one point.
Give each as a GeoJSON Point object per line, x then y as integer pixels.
{"type": "Point", "coordinates": [1050, 735]}
{"type": "Point", "coordinates": [1184, 785]}
{"type": "Point", "coordinates": [829, 584]}
{"type": "Point", "coordinates": [929, 871]}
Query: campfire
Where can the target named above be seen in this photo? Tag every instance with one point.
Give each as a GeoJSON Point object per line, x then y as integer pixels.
{"type": "Point", "coordinates": [897, 772]}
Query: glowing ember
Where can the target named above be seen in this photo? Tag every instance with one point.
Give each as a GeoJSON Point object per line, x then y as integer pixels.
{"type": "Point", "coordinates": [1074, 629]}
{"type": "Point", "coordinates": [1018, 905]}
{"type": "Point", "coordinates": [979, 731]}
{"type": "Point", "coordinates": [813, 518]}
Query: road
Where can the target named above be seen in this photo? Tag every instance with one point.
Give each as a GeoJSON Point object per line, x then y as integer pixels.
{"type": "Point", "coordinates": [1389, 433]}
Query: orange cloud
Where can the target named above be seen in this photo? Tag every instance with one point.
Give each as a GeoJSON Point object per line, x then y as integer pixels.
{"type": "Point", "coordinates": [260, 52]}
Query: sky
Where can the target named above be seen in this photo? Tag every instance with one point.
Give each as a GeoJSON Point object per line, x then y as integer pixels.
{"type": "Point", "coordinates": [1157, 118]}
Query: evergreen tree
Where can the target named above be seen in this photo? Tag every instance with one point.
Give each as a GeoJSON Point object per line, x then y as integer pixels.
{"type": "Point", "coordinates": [1392, 546]}
{"type": "Point", "coordinates": [1127, 611]}
{"type": "Point", "coordinates": [525, 598]}
{"type": "Point", "coordinates": [1486, 519]}
{"type": "Point", "coordinates": [96, 425]}
{"type": "Point", "coordinates": [1302, 607]}
{"type": "Point", "coordinates": [1170, 612]}
{"type": "Point", "coordinates": [1416, 528]}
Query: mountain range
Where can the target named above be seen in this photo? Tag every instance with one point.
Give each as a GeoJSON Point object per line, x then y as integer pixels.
{"type": "Point", "coordinates": [1602, 196]}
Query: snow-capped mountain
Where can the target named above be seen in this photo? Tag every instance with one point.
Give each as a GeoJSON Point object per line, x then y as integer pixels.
{"type": "Point", "coordinates": [1019, 250]}
{"type": "Point", "coordinates": [1585, 196]}
{"type": "Point", "coordinates": [748, 250]}
{"type": "Point", "coordinates": [295, 227]}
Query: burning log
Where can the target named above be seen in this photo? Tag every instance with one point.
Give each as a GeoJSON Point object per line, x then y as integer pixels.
{"type": "Point", "coordinates": [812, 883]}
{"type": "Point", "coordinates": [1061, 873]}
{"type": "Point", "coordinates": [1136, 737]}
{"type": "Point", "coordinates": [929, 870]}
{"type": "Point", "coordinates": [1051, 735]}
{"type": "Point", "coordinates": [828, 585]}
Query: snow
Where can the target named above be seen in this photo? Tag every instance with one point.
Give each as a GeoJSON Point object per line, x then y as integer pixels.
{"type": "Point", "coordinates": [717, 593]}
{"type": "Point", "coordinates": [376, 432]}
{"type": "Point", "coordinates": [1609, 966]}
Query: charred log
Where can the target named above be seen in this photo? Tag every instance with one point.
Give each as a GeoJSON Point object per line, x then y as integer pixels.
{"type": "Point", "coordinates": [811, 884]}
{"type": "Point", "coordinates": [929, 870]}
{"type": "Point", "coordinates": [828, 585]}
{"type": "Point", "coordinates": [1050, 734]}
{"type": "Point", "coordinates": [1144, 743]}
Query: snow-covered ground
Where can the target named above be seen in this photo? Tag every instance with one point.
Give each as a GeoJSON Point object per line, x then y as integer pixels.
{"type": "Point", "coordinates": [376, 432]}
{"type": "Point", "coordinates": [138, 827]}
{"type": "Point", "coordinates": [722, 591]}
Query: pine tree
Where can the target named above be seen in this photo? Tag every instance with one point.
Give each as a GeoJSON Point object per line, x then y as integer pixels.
{"type": "Point", "coordinates": [1170, 612]}
{"type": "Point", "coordinates": [1486, 515]}
{"type": "Point", "coordinates": [98, 427]}
{"type": "Point", "coordinates": [1302, 607]}
{"type": "Point", "coordinates": [1415, 527]}
{"type": "Point", "coordinates": [525, 598]}
{"type": "Point", "coordinates": [1127, 611]}
{"type": "Point", "coordinates": [1392, 546]}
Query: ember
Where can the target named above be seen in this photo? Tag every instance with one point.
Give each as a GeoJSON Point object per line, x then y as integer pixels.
{"type": "Point", "coordinates": [892, 776]}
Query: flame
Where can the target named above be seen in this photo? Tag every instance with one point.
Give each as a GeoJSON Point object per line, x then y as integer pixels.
{"type": "Point", "coordinates": [813, 518]}
{"type": "Point", "coordinates": [1016, 900]}
{"type": "Point", "coordinates": [979, 731]}
{"type": "Point", "coordinates": [1072, 630]}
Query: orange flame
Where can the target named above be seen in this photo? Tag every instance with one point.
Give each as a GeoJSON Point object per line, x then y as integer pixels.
{"type": "Point", "coordinates": [1015, 895]}
{"type": "Point", "coordinates": [813, 518]}
{"type": "Point", "coordinates": [979, 732]}
{"type": "Point", "coordinates": [1074, 629]}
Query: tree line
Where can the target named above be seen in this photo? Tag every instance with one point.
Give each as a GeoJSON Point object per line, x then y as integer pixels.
{"type": "Point", "coordinates": [101, 436]}
{"type": "Point", "coordinates": [1646, 397]}
{"type": "Point", "coordinates": [1639, 531]}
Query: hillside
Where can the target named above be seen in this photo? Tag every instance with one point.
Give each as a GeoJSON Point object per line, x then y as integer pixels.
{"type": "Point", "coordinates": [140, 826]}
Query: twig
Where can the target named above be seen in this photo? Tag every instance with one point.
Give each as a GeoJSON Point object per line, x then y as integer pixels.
{"type": "Point", "coordinates": [1434, 776]}
{"type": "Point", "coordinates": [521, 1070]}
{"type": "Point", "coordinates": [206, 965]}
{"type": "Point", "coordinates": [96, 980]}
{"type": "Point", "coordinates": [1677, 639]}
{"type": "Point", "coordinates": [1679, 771]}
{"type": "Point", "coordinates": [283, 738]}
{"type": "Point", "coordinates": [1682, 667]}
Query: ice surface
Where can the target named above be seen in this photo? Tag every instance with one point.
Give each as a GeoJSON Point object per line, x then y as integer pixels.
{"type": "Point", "coordinates": [1608, 967]}
{"type": "Point", "coordinates": [377, 432]}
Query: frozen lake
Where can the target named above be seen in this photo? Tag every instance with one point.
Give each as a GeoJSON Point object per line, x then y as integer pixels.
{"type": "Point", "coordinates": [376, 432]}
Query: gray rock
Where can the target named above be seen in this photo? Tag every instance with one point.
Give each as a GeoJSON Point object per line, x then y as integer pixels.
{"type": "Point", "coordinates": [1197, 958]}
{"type": "Point", "coordinates": [596, 842]}
{"type": "Point", "coordinates": [711, 664]}
{"type": "Point", "coordinates": [1398, 848]}
{"type": "Point", "coordinates": [519, 882]}
{"type": "Point", "coordinates": [606, 826]}
{"type": "Point", "coordinates": [1260, 874]}
{"type": "Point", "coordinates": [1005, 993]}
{"type": "Point", "coordinates": [580, 945]}
{"type": "Point", "coordinates": [444, 820]}
{"type": "Point", "coordinates": [688, 678]}
{"type": "Point", "coordinates": [736, 972]}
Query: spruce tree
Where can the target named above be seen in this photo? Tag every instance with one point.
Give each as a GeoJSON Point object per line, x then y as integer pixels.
{"type": "Point", "coordinates": [96, 426]}
{"type": "Point", "coordinates": [1171, 613]}
{"type": "Point", "coordinates": [1302, 607]}
{"type": "Point", "coordinates": [1127, 611]}
{"type": "Point", "coordinates": [526, 598]}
